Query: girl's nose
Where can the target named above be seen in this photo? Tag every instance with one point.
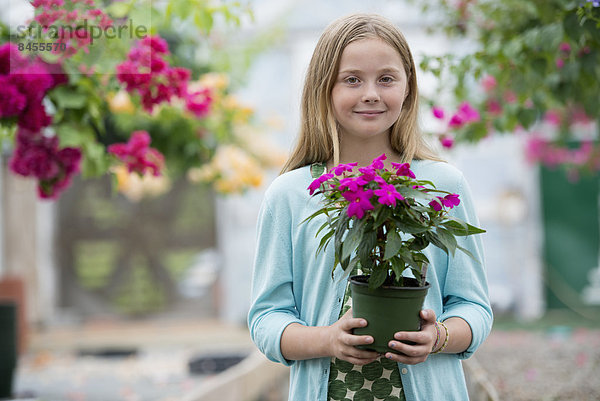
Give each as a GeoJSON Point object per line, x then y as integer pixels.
{"type": "Point", "coordinates": [370, 94]}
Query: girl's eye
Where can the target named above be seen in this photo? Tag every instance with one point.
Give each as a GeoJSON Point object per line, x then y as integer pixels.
{"type": "Point", "coordinates": [351, 80]}
{"type": "Point", "coordinates": [386, 80]}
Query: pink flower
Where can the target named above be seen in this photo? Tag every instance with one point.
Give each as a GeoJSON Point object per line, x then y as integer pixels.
{"type": "Point", "coordinates": [560, 63]}
{"type": "Point", "coordinates": [368, 174]}
{"type": "Point", "coordinates": [447, 141]}
{"type": "Point", "coordinates": [146, 72]}
{"type": "Point", "coordinates": [564, 47]}
{"type": "Point", "coordinates": [359, 202]}
{"type": "Point", "coordinates": [10, 58]}
{"type": "Point", "coordinates": [553, 117]}
{"type": "Point", "coordinates": [137, 154]}
{"type": "Point", "coordinates": [378, 162]}
{"type": "Point", "coordinates": [489, 83]}
{"type": "Point", "coordinates": [12, 102]}
{"type": "Point", "coordinates": [388, 195]}
{"type": "Point", "coordinates": [494, 107]}
{"type": "Point", "coordinates": [580, 117]}
{"type": "Point", "coordinates": [318, 181]}
{"type": "Point", "coordinates": [199, 102]}
{"type": "Point", "coordinates": [510, 97]}
{"type": "Point", "coordinates": [465, 114]}
{"type": "Point", "coordinates": [156, 43]}
{"type": "Point", "coordinates": [403, 169]}
{"type": "Point", "coordinates": [583, 50]}
{"type": "Point", "coordinates": [32, 80]}
{"type": "Point", "coordinates": [581, 156]}
{"type": "Point", "coordinates": [450, 200]}
{"type": "Point", "coordinates": [342, 168]}
{"type": "Point", "coordinates": [39, 156]}
{"type": "Point", "coordinates": [350, 183]}
{"type": "Point", "coordinates": [436, 204]}
{"type": "Point", "coordinates": [438, 112]}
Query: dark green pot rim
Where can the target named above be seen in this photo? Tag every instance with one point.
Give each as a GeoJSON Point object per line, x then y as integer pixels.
{"type": "Point", "coordinates": [362, 281]}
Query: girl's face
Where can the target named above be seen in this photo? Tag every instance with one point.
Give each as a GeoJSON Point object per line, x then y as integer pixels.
{"type": "Point", "coordinates": [370, 89]}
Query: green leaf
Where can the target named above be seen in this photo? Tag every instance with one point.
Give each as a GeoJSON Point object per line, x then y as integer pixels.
{"type": "Point", "coordinates": [418, 243]}
{"type": "Point", "coordinates": [552, 34]}
{"type": "Point", "coordinates": [352, 240]}
{"type": "Point", "coordinates": [119, 9]}
{"type": "Point", "coordinates": [460, 228]}
{"type": "Point", "coordinates": [398, 266]}
{"type": "Point", "coordinates": [377, 278]}
{"type": "Point", "coordinates": [74, 135]}
{"type": "Point", "coordinates": [203, 19]}
{"type": "Point", "coordinates": [468, 253]}
{"type": "Point", "coordinates": [527, 117]}
{"type": "Point", "coordinates": [447, 239]}
{"type": "Point", "coordinates": [315, 214]}
{"type": "Point", "coordinates": [392, 244]}
{"type": "Point", "coordinates": [69, 98]}
{"type": "Point", "coordinates": [95, 160]}
{"type": "Point", "coordinates": [407, 257]}
{"type": "Point", "coordinates": [381, 215]}
{"type": "Point", "coordinates": [366, 247]}
{"type": "Point", "coordinates": [324, 241]}
{"type": "Point", "coordinates": [432, 238]}
{"type": "Point", "coordinates": [572, 27]}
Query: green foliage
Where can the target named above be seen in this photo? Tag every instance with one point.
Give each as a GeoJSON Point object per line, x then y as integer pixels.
{"type": "Point", "coordinates": [389, 239]}
{"type": "Point", "coordinates": [545, 52]}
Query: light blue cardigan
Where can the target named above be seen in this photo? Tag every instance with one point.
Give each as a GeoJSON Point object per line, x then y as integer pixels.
{"type": "Point", "coordinates": [290, 284]}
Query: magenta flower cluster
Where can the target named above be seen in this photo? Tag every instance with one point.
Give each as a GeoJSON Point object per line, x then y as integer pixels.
{"type": "Point", "coordinates": [148, 73]}
{"type": "Point", "coordinates": [37, 155]}
{"type": "Point", "coordinates": [69, 32]}
{"type": "Point", "coordinates": [24, 85]}
{"type": "Point", "coordinates": [137, 154]}
{"type": "Point", "coordinates": [464, 115]}
{"type": "Point", "coordinates": [374, 185]}
{"type": "Point", "coordinates": [550, 154]}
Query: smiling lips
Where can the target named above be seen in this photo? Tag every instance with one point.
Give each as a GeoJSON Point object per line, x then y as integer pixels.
{"type": "Point", "coordinates": [369, 113]}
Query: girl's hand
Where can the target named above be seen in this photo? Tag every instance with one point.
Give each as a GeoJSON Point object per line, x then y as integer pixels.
{"type": "Point", "coordinates": [342, 342]}
{"type": "Point", "coordinates": [423, 339]}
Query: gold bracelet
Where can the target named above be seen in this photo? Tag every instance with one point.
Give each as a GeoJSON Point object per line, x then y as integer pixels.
{"type": "Point", "coordinates": [445, 344]}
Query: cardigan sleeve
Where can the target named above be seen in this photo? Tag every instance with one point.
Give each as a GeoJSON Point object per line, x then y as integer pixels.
{"type": "Point", "coordinates": [465, 289]}
{"type": "Point", "coordinates": [272, 306]}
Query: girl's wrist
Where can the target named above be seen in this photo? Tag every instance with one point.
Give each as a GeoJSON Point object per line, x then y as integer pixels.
{"type": "Point", "coordinates": [443, 337]}
{"type": "Point", "coordinates": [437, 336]}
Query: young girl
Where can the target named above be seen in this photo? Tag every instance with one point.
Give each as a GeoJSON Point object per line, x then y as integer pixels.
{"type": "Point", "coordinates": [359, 101]}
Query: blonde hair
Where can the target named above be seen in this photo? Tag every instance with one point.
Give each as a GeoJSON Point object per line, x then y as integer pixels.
{"type": "Point", "coordinates": [318, 139]}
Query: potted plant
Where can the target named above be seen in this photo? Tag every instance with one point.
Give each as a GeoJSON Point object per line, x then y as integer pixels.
{"type": "Point", "coordinates": [381, 221]}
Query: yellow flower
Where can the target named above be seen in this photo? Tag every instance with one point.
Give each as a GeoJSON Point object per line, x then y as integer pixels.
{"type": "Point", "coordinates": [232, 170]}
{"type": "Point", "coordinates": [122, 175]}
{"type": "Point", "coordinates": [121, 102]}
{"type": "Point", "coordinates": [259, 146]}
{"type": "Point", "coordinates": [136, 187]}
{"type": "Point", "coordinates": [216, 80]}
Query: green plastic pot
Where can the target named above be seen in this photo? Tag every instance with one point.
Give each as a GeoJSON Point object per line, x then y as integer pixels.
{"type": "Point", "coordinates": [387, 310]}
{"type": "Point", "coordinates": [8, 347]}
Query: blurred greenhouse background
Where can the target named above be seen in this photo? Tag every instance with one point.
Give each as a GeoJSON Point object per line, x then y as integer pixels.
{"type": "Point", "coordinates": [159, 270]}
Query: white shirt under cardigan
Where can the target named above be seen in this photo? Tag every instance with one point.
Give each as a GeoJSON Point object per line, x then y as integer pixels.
{"type": "Point", "coordinates": [290, 284]}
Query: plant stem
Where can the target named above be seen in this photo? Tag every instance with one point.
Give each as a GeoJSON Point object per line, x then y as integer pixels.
{"type": "Point", "coordinates": [424, 274]}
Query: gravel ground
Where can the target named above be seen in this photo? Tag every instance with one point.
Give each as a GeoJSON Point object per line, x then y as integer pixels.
{"type": "Point", "coordinates": [558, 364]}
{"type": "Point", "coordinates": [150, 376]}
